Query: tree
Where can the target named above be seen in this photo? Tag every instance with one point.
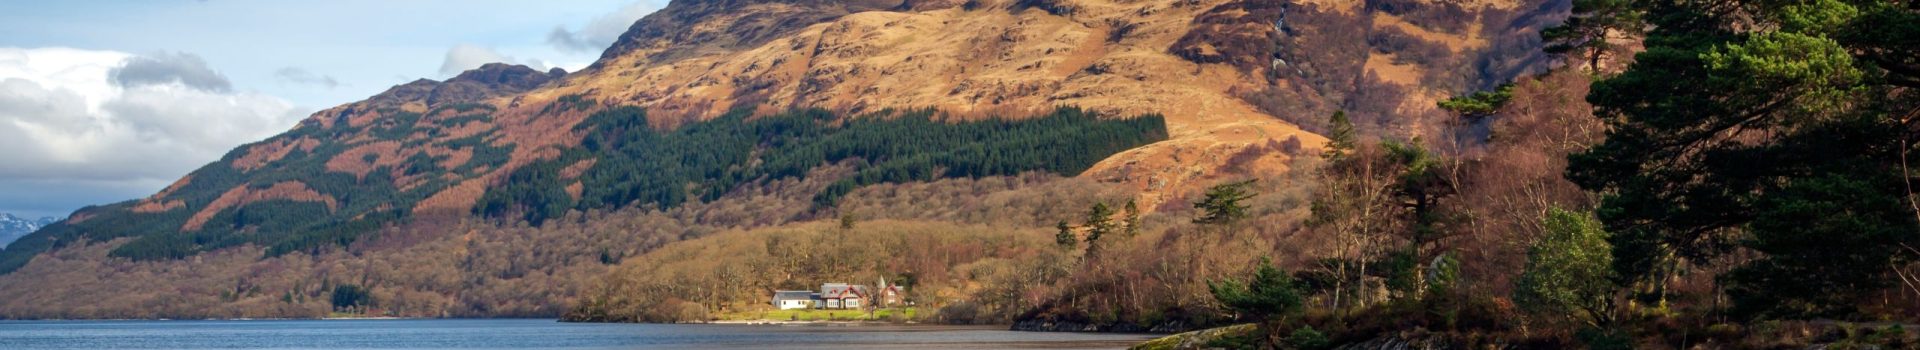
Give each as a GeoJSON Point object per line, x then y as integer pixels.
{"type": "Point", "coordinates": [1825, 241]}
{"type": "Point", "coordinates": [1739, 121]}
{"type": "Point", "coordinates": [1222, 204]}
{"type": "Point", "coordinates": [1592, 24]}
{"type": "Point", "coordinates": [1419, 187]}
{"type": "Point", "coordinates": [1268, 297]}
{"type": "Point", "coordinates": [1269, 294]}
{"type": "Point", "coordinates": [1099, 223]}
{"type": "Point", "coordinates": [1065, 237]}
{"type": "Point", "coordinates": [1132, 213]}
{"type": "Point", "coordinates": [1341, 137]}
{"type": "Point", "coordinates": [1569, 271]}
{"type": "Point", "coordinates": [1479, 104]}
{"type": "Point", "coordinates": [349, 296]}
{"type": "Point", "coordinates": [606, 257]}
{"type": "Point", "coordinates": [1354, 204]}
{"type": "Point", "coordinates": [846, 221]}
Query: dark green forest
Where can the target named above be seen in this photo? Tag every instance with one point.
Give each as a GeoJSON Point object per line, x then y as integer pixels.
{"type": "Point", "coordinates": [638, 165]}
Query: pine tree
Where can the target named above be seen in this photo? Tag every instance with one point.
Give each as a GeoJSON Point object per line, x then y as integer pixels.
{"type": "Point", "coordinates": [1268, 298]}
{"type": "Point", "coordinates": [1099, 223]}
{"type": "Point", "coordinates": [1222, 204]}
{"type": "Point", "coordinates": [1341, 138]}
{"type": "Point", "coordinates": [1779, 130]}
{"type": "Point", "coordinates": [1480, 103]}
{"type": "Point", "coordinates": [1132, 213]}
{"type": "Point", "coordinates": [1590, 27]}
{"type": "Point", "coordinates": [1270, 294]}
{"type": "Point", "coordinates": [1420, 187]}
{"type": "Point", "coordinates": [1065, 237]}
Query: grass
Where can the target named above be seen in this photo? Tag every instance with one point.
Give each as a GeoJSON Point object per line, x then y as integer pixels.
{"type": "Point", "coordinates": [820, 315]}
{"type": "Point", "coordinates": [1205, 336]}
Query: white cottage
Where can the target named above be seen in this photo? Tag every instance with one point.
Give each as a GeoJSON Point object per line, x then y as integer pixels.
{"type": "Point", "coordinates": [792, 299]}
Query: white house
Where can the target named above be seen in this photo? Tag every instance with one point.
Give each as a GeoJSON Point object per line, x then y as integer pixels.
{"type": "Point", "coordinates": [792, 299]}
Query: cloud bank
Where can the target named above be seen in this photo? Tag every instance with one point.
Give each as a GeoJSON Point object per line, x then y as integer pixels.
{"type": "Point", "coordinates": [297, 76]}
{"type": "Point", "coordinates": [117, 125]}
{"type": "Point", "coordinates": [169, 68]}
{"type": "Point", "coordinates": [597, 35]}
{"type": "Point", "coordinates": [465, 56]}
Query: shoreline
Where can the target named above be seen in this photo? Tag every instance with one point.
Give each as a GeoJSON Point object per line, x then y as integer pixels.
{"type": "Point", "coordinates": [533, 333]}
{"type": "Point", "coordinates": [824, 322]}
{"type": "Point", "coordinates": [380, 318]}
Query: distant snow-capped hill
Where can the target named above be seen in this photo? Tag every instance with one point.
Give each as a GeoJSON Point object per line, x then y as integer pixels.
{"type": "Point", "coordinates": [13, 227]}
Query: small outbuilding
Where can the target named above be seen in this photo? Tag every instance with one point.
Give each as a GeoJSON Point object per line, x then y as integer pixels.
{"type": "Point", "coordinates": [792, 299]}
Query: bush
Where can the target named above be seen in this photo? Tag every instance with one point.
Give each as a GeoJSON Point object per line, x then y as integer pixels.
{"type": "Point", "coordinates": [1269, 295]}
{"type": "Point", "coordinates": [1306, 338]}
{"type": "Point", "coordinates": [347, 295]}
{"type": "Point", "coordinates": [1248, 340]}
{"type": "Point", "coordinates": [1605, 340]}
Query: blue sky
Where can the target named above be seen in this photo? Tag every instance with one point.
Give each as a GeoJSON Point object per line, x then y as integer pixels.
{"type": "Point", "coordinates": [102, 101]}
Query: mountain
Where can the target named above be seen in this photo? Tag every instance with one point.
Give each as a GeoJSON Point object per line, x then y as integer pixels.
{"type": "Point", "coordinates": [490, 193]}
{"type": "Point", "coordinates": [14, 227]}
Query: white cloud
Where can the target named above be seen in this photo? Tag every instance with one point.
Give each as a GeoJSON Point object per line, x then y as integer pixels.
{"type": "Point", "coordinates": [65, 115]}
{"type": "Point", "coordinates": [465, 56]}
{"type": "Point", "coordinates": [79, 71]}
{"type": "Point", "coordinates": [297, 76]}
{"type": "Point", "coordinates": [170, 68]}
{"type": "Point", "coordinates": [597, 35]}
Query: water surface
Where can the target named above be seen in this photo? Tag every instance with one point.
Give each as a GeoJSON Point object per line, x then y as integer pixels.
{"type": "Point", "coordinates": [524, 334]}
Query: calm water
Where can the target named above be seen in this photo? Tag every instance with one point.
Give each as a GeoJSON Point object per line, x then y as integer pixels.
{"type": "Point", "coordinates": [522, 334]}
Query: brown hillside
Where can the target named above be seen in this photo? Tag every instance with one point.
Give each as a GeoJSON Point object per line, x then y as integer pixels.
{"type": "Point", "coordinates": [1236, 79]}
{"type": "Point", "coordinates": [995, 58]}
{"type": "Point", "coordinates": [1121, 57]}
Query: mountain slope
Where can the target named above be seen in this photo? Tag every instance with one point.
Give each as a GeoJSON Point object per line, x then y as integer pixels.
{"type": "Point", "coordinates": [995, 59]}
{"type": "Point", "coordinates": [1234, 85]}
{"type": "Point", "coordinates": [1213, 68]}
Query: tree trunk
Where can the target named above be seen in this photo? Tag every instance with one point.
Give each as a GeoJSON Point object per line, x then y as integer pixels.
{"type": "Point", "coordinates": [1599, 46]}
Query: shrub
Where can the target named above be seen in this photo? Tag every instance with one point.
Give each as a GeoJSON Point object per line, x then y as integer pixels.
{"type": "Point", "coordinates": [347, 295]}
{"type": "Point", "coordinates": [1306, 338]}
{"type": "Point", "coordinates": [1268, 295]}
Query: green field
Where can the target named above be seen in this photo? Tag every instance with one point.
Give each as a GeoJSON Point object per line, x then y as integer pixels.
{"type": "Point", "coordinates": [903, 314]}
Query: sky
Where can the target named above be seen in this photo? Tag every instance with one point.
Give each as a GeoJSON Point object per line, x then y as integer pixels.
{"type": "Point", "coordinates": [105, 101]}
